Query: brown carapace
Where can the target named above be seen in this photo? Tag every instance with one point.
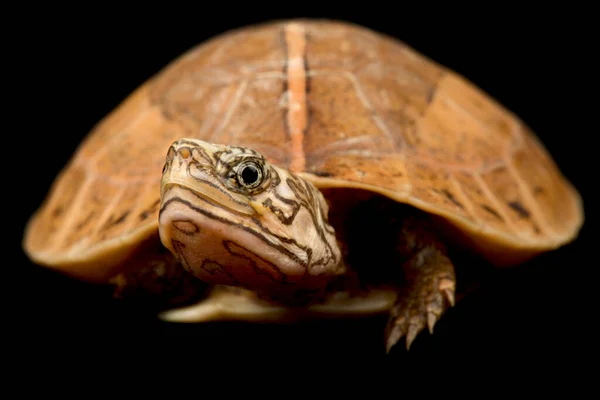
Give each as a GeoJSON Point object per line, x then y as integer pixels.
{"type": "Point", "coordinates": [338, 105]}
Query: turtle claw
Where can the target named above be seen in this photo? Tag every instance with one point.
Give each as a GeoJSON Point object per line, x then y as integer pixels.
{"type": "Point", "coordinates": [448, 287]}
{"type": "Point", "coordinates": [413, 331]}
{"type": "Point", "coordinates": [413, 318]}
{"type": "Point", "coordinates": [428, 294]}
{"type": "Point", "coordinates": [450, 296]}
{"type": "Point", "coordinates": [431, 320]}
{"type": "Point", "coordinates": [409, 326]}
{"type": "Point", "coordinates": [394, 333]}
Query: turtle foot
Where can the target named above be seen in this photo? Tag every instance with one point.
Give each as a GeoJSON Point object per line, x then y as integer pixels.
{"type": "Point", "coordinates": [428, 293]}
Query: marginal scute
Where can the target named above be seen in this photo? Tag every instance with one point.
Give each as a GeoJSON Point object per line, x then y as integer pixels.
{"type": "Point", "coordinates": [147, 209]}
{"type": "Point", "coordinates": [92, 199]}
{"type": "Point", "coordinates": [123, 219]}
{"type": "Point", "coordinates": [503, 184]}
{"type": "Point", "coordinates": [481, 207]}
{"type": "Point", "coordinates": [543, 179]}
{"type": "Point", "coordinates": [56, 210]}
{"type": "Point", "coordinates": [433, 184]}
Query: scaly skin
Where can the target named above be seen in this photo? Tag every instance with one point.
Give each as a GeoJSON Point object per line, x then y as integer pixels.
{"type": "Point", "coordinates": [429, 287]}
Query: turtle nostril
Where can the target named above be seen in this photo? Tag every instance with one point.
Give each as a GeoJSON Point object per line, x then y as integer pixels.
{"type": "Point", "coordinates": [170, 154]}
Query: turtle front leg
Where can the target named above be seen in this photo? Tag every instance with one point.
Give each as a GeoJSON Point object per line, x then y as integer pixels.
{"type": "Point", "coordinates": [429, 286]}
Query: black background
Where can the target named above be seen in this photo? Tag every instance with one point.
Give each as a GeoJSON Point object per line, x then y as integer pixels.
{"type": "Point", "coordinates": [74, 65]}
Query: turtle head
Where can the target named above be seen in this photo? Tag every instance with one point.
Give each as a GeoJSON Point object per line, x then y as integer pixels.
{"type": "Point", "coordinates": [233, 218]}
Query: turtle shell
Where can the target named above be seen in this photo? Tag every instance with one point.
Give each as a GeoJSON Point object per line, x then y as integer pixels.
{"type": "Point", "coordinates": [338, 103]}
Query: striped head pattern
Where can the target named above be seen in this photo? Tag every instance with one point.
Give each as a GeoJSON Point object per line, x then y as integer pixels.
{"type": "Point", "coordinates": [233, 218]}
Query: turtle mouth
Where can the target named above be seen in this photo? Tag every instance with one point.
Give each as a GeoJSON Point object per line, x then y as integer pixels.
{"type": "Point", "coordinates": [212, 193]}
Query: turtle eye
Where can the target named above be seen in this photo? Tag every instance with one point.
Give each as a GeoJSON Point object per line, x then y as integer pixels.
{"type": "Point", "coordinates": [249, 174]}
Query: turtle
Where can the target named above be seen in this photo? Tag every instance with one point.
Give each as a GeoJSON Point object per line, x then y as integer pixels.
{"type": "Point", "coordinates": [302, 168]}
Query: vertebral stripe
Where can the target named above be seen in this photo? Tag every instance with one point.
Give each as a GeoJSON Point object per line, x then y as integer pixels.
{"type": "Point", "coordinates": [297, 113]}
